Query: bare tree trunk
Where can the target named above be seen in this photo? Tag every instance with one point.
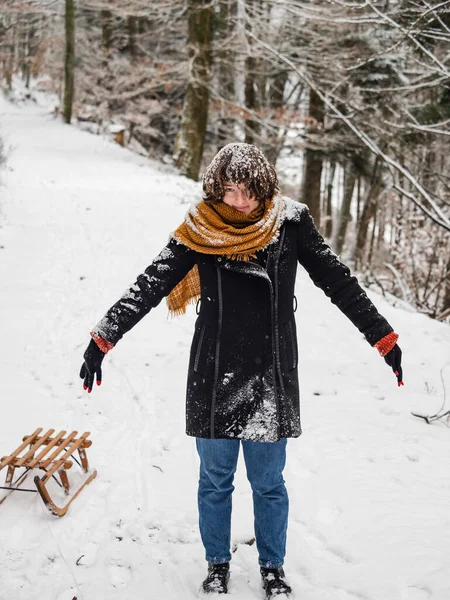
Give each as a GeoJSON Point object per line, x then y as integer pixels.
{"type": "Point", "coordinates": [22, 46]}
{"type": "Point", "coordinates": [446, 301]}
{"type": "Point", "coordinates": [252, 128]}
{"type": "Point", "coordinates": [191, 136]}
{"type": "Point", "coordinates": [367, 214]}
{"type": "Point", "coordinates": [344, 214]}
{"type": "Point", "coordinates": [251, 96]}
{"type": "Point", "coordinates": [276, 97]}
{"type": "Point", "coordinates": [132, 31]}
{"type": "Point", "coordinates": [27, 49]}
{"type": "Point", "coordinates": [382, 217]}
{"type": "Point", "coordinates": [313, 164]}
{"type": "Point", "coordinates": [69, 62]}
{"type": "Point", "coordinates": [10, 60]}
{"type": "Point", "coordinates": [106, 19]}
{"type": "Point", "coordinates": [358, 199]}
{"type": "Point", "coordinates": [224, 59]}
{"type": "Point", "coordinates": [374, 228]}
{"type": "Point", "coordinates": [329, 206]}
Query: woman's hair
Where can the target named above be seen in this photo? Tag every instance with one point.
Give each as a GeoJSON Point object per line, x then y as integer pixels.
{"type": "Point", "coordinates": [240, 163]}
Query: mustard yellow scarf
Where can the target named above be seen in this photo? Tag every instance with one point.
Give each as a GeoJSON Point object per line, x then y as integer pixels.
{"type": "Point", "coordinates": [222, 230]}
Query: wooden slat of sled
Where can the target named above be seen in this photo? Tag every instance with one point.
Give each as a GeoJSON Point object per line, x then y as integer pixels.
{"type": "Point", "coordinates": [54, 456]}
{"type": "Point", "coordinates": [27, 440]}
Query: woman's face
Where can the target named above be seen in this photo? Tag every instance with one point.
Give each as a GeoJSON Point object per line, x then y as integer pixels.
{"type": "Point", "coordinates": [237, 196]}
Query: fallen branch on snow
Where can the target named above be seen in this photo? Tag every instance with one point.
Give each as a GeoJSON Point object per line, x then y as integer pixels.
{"type": "Point", "coordinates": [439, 415]}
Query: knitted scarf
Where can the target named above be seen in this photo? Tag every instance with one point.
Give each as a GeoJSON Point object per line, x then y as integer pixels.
{"type": "Point", "coordinates": [220, 229]}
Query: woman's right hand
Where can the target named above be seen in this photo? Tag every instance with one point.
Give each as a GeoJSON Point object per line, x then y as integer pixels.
{"type": "Point", "coordinates": [92, 366]}
{"type": "Point", "coordinates": [394, 360]}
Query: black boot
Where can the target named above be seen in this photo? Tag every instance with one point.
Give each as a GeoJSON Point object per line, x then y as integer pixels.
{"type": "Point", "coordinates": [274, 583]}
{"type": "Point", "coordinates": [217, 579]}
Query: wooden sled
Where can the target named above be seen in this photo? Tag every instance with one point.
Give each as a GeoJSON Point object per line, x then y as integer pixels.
{"type": "Point", "coordinates": [52, 455]}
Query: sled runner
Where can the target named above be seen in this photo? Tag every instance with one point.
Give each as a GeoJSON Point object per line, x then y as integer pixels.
{"type": "Point", "coordinates": [51, 455]}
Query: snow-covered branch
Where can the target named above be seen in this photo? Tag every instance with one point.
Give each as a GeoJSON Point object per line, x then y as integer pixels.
{"type": "Point", "coordinates": [435, 213]}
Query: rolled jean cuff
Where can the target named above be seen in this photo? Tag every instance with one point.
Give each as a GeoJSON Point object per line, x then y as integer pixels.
{"type": "Point", "coordinates": [217, 560]}
{"type": "Point", "coordinates": [271, 564]}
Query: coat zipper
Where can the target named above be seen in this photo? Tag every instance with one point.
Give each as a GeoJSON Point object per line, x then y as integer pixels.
{"type": "Point", "coordinates": [293, 346]}
{"type": "Point", "coordinates": [276, 325]}
{"type": "Point", "coordinates": [199, 347]}
{"type": "Point", "coordinates": [216, 363]}
{"type": "Point", "coordinates": [277, 333]}
{"type": "Point", "coordinates": [274, 354]}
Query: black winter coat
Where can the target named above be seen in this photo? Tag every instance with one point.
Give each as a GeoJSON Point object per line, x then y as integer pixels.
{"type": "Point", "coordinates": [242, 380]}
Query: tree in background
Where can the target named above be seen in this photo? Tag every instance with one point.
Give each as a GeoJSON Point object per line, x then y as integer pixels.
{"type": "Point", "coordinates": [194, 116]}
{"type": "Point", "coordinates": [69, 60]}
{"type": "Point", "coordinates": [223, 114]}
{"type": "Point", "coordinates": [350, 100]}
{"type": "Point", "coordinates": [313, 157]}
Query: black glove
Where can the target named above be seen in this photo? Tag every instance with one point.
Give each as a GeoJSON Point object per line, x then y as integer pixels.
{"type": "Point", "coordinates": [92, 366]}
{"type": "Point", "coordinates": [394, 360]}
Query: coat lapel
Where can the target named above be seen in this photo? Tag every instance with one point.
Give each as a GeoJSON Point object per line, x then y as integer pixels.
{"type": "Point", "coordinates": [244, 267]}
{"type": "Point", "coordinates": [252, 268]}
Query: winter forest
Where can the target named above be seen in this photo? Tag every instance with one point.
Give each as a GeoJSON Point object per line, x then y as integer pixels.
{"type": "Point", "coordinates": [350, 101]}
{"type": "Point", "coordinates": [110, 113]}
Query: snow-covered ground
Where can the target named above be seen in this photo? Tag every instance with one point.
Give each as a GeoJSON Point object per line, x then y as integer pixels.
{"type": "Point", "coordinates": [369, 484]}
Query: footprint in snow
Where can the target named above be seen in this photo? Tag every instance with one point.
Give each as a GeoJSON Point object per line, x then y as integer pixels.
{"type": "Point", "coordinates": [410, 439]}
{"type": "Point", "coordinates": [100, 421]}
{"type": "Point", "coordinates": [15, 560]}
{"type": "Point", "coordinates": [343, 439]}
{"type": "Point", "coordinates": [414, 592]}
{"type": "Point", "coordinates": [88, 554]}
{"type": "Point", "coordinates": [317, 544]}
{"type": "Point", "coordinates": [328, 515]}
{"type": "Point", "coordinates": [68, 595]}
{"type": "Point", "coordinates": [413, 457]}
{"type": "Point", "coordinates": [120, 573]}
{"type": "Point", "coordinates": [341, 554]}
{"type": "Point", "coordinates": [43, 384]}
{"type": "Point", "coordinates": [341, 594]}
{"type": "Point", "coordinates": [388, 411]}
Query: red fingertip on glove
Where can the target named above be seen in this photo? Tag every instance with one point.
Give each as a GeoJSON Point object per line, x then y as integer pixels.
{"type": "Point", "coordinates": [99, 382]}
{"type": "Point", "coordinates": [400, 383]}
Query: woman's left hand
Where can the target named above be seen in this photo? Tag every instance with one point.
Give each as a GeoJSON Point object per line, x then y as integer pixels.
{"type": "Point", "coordinates": [92, 366]}
{"type": "Point", "coordinates": [394, 360]}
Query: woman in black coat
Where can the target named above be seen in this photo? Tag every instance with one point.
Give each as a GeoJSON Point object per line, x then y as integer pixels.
{"type": "Point", "coordinates": [236, 254]}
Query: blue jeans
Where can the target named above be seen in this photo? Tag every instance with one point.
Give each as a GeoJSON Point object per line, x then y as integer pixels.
{"type": "Point", "coordinates": [265, 463]}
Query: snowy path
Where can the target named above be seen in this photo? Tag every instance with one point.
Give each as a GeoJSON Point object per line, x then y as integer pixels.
{"type": "Point", "coordinates": [369, 484]}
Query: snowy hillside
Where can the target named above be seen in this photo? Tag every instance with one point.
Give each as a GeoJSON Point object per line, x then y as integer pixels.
{"type": "Point", "coordinates": [369, 484]}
